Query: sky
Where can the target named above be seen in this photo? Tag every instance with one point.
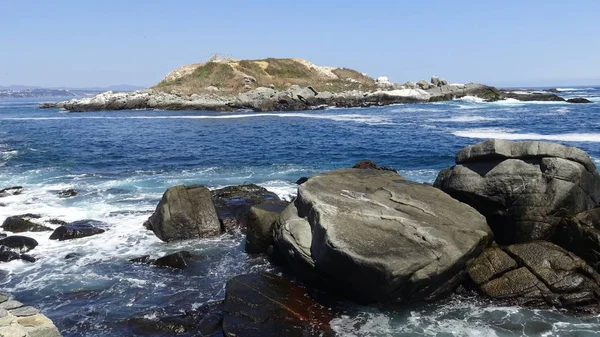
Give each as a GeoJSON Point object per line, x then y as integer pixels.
{"type": "Point", "coordinates": [99, 43]}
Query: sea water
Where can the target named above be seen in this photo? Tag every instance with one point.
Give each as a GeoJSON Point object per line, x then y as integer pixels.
{"type": "Point", "coordinates": [120, 163]}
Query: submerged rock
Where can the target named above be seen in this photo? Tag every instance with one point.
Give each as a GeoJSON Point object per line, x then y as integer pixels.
{"type": "Point", "coordinates": [17, 243]}
{"type": "Point", "coordinates": [536, 273]}
{"type": "Point", "coordinates": [302, 180]}
{"type": "Point", "coordinates": [266, 305]}
{"type": "Point", "coordinates": [579, 100]}
{"type": "Point", "coordinates": [77, 229]}
{"type": "Point", "coordinates": [379, 237]}
{"type": "Point", "coordinates": [67, 193]}
{"type": "Point", "coordinates": [23, 223]}
{"type": "Point", "coordinates": [233, 203]}
{"type": "Point", "coordinates": [524, 189]}
{"type": "Point", "coordinates": [184, 212]}
{"type": "Point", "coordinates": [261, 217]}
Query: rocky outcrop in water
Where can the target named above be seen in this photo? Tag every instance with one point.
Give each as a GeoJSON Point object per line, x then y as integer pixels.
{"type": "Point", "coordinates": [77, 229]}
{"type": "Point", "coordinates": [261, 218]}
{"type": "Point", "coordinates": [23, 223]}
{"type": "Point", "coordinates": [184, 212]}
{"type": "Point", "coordinates": [268, 99]}
{"type": "Point", "coordinates": [579, 100]}
{"type": "Point", "coordinates": [379, 237]}
{"type": "Point", "coordinates": [524, 189]}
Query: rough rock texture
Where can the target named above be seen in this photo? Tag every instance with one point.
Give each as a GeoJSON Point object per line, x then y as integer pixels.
{"type": "Point", "coordinates": [261, 217]}
{"type": "Point", "coordinates": [536, 273]}
{"type": "Point", "coordinates": [369, 165]}
{"type": "Point", "coordinates": [451, 91]}
{"type": "Point", "coordinates": [19, 244]}
{"type": "Point", "coordinates": [184, 212]}
{"type": "Point", "coordinates": [524, 189]}
{"type": "Point", "coordinates": [266, 305]}
{"type": "Point", "coordinates": [17, 320]}
{"type": "Point", "coordinates": [23, 223]}
{"type": "Point", "coordinates": [233, 203]}
{"type": "Point", "coordinates": [580, 234]}
{"type": "Point", "coordinates": [380, 237]}
{"type": "Point", "coordinates": [77, 229]}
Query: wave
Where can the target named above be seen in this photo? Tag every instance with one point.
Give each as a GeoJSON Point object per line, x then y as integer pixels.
{"type": "Point", "coordinates": [472, 99]}
{"type": "Point", "coordinates": [566, 137]}
{"type": "Point", "coordinates": [467, 119]}
{"type": "Point", "coordinates": [341, 117]}
{"type": "Point", "coordinates": [574, 89]}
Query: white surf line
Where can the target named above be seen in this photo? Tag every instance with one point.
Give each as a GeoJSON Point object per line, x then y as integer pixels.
{"type": "Point", "coordinates": [567, 137]}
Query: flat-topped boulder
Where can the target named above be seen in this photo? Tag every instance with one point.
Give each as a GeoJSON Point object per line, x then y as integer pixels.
{"type": "Point", "coordinates": [380, 237]}
{"type": "Point", "coordinates": [524, 189]}
{"type": "Point", "coordinates": [184, 212]}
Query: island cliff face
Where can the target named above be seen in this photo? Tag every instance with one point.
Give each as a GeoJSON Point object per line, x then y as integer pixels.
{"type": "Point", "coordinates": [274, 85]}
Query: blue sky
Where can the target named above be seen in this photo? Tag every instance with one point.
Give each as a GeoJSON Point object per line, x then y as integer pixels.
{"type": "Point", "coordinates": [98, 43]}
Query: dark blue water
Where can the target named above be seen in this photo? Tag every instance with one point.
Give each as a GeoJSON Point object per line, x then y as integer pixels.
{"type": "Point", "coordinates": [122, 161]}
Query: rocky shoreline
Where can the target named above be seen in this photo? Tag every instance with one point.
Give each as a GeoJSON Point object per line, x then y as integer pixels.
{"type": "Point", "coordinates": [18, 320]}
{"type": "Point", "coordinates": [511, 222]}
{"type": "Point", "coordinates": [295, 98]}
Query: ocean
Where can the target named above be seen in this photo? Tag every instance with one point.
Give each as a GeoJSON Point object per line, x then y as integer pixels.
{"type": "Point", "coordinates": [121, 162]}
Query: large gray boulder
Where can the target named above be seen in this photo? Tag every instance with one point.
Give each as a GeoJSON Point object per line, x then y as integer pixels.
{"type": "Point", "coordinates": [536, 273]}
{"type": "Point", "coordinates": [524, 189]}
{"type": "Point", "coordinates": [379, 237]}
{"type": "Point", "coordinates": [261, 217]}
{"type": "Point", "coordinates": [184, 212]}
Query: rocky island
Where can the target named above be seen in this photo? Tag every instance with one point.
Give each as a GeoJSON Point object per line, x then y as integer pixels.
{"type": "Point", "coordinates": [276, 84]}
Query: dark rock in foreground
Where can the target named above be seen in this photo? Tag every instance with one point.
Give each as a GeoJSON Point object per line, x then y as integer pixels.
{"type": "Point", "coordinates": [524, 189]}
{"type": "Point", "coordinates": [233, 203]}
{"type": "Point", "coordinates": [77, 229]}
{"type": "Point", "coordinates": [15, 190]}
{"type": "Point", "coordinates": [266, 305]}
{"type": "Point", "coordinates": [261, 217]}
{"type": "Point", "coordinates": [536, 274]}
{"type": "Point", "coordinates": [579, 100]}
{"type": "Point", "coordinates": [23, 223]}
{"type": "Point", "coordinates": [67, 193]}
{"type": "Point", "coordinates": [379, 237]}
{"type": "Point", "coordinates": [184, 212]}
{"type": "Point", "coordinates": [17, 243]}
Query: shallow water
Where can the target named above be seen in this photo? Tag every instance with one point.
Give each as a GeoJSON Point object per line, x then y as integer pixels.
{"type": "Point", "coordinates": [122, 161]}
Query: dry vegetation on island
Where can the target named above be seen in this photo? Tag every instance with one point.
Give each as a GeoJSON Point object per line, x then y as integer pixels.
{"type": "Point", "coordinates": [235, 76]}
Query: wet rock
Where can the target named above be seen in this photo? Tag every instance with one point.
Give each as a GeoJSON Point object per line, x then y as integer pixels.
{"type": "Point", "coordinates": [579, 100]}
{"type": "Point", "coordinates": [261, 217]}
{"type": "Point", "coordinates": [57, 222]}
{"type": "Point", "coordinates": [534, 97]}
{"type": "Point", "coordinates": [536, 273]}
{"type": "Point", "coordinates": [27, 258]}
{"type": "Point", "coordinates": [267, 305]}
{"type": "Point", "coordinates": [15, 190]}
{"type": "Point", "coordinates": [184, 212]}
{"type": "Point", "coordinates": [23, 223]}
{"type": "Point", "coordinates": [17, 243]}
{"type": "Point", "coordinates": [233, 203]}
{"type": "Point", "coordinates": [177, 260]}
{"type": "Point", "coordinates": [67, 193]}
{"type": "Point", "coordinates": [369, 165]}
{"type": "Point", "coordinates": [3, 235]}
{"type": "Point", "coordinates": [302, 180]}
{"type": "Point", "coordinates": [378, 237]}
{"type": "Point", "coordinates": [204, 321]}
{"type": "Point", "coordinates": [524, 189]}
{"type": "Point", "coordinates": [7, 256]}
{"type": "Point", "coordinates": [72, 256]}
{"type": "Point", "coordinates": [77, 229]}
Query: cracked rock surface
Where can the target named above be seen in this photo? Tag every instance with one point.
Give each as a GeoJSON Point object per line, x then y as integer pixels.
{"type": "Point", "coordinates": [17, 320]}
{"type": "Point", "coordinates": [535, 273]}
{"type": "Point", "coordinates": [379, 237]}
{"type": "Point", "coordinates": [524, 189]}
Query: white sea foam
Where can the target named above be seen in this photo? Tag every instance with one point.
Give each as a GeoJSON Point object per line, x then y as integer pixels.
{"type": "Point", "coordinates": [373, 119]}
{"type": "Point", "coordinates": [467, 119]}
{"type": "Point", "coordinates": [484, 133]}
{"type": "Point", "coordinates": [472, 99]}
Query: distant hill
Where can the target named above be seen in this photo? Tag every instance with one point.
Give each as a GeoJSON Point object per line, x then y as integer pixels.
{"type": "Point", "coordinates": [236, 76]}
